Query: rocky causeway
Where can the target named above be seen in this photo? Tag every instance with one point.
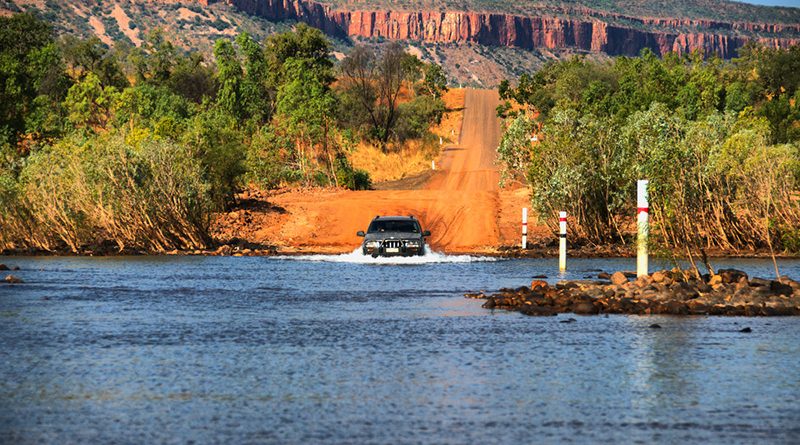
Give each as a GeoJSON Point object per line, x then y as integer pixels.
{"type": "Point", "coordinates": [675, 292]}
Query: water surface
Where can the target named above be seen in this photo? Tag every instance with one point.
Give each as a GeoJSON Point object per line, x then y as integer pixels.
{"type": "Point", "coordinates": [339, 350]}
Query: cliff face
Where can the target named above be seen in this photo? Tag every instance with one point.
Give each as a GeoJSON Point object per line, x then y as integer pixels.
{"type": "Point", "coordinates": [593, 31]}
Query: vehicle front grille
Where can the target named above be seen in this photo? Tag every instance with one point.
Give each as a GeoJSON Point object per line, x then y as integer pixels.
{"type": "Point", "coordinates": [393, 244]}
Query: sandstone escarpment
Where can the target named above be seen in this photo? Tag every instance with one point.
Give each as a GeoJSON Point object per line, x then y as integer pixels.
{"type": "Point", "coordinates": [590, 31]}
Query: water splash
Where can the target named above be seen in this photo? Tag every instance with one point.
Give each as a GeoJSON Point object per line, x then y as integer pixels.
{"type": "Point", "coordinates": [356, 257]}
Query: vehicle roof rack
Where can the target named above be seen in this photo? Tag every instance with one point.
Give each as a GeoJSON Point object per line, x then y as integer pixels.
{"type": "Point", "coordinates": [377, 217]}
{"type": "Point", "coordinates": [411, 216]}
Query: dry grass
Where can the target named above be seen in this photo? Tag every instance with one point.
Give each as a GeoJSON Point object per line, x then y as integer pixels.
{"type": "Point", "coordinates": [414, 156]}
{"type": "Point", "coordinates": [407, 161]}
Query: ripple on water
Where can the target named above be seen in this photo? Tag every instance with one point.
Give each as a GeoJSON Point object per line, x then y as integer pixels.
{"type": "Point", "coordinates": [329, 349]}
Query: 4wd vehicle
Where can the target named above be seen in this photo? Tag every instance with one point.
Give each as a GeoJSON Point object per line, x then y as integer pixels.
{"type": "Point", "coordinates": [394, 236]}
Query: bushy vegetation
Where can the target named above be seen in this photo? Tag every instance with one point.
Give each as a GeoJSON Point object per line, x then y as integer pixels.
{"type": "Point", "coordinates": [135, 148]}
{"type": "Point", "coordinates": [717, 140]}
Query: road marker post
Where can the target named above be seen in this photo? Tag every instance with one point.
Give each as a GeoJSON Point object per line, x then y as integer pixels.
{"type": "Point", "coordinates": [524, 228]}
{"type": "Point", "coordinates": [433, 165]}
{"type": "Point", "coordinates": [562, 241]}
{"type": "Point", "coordinates": [642, 223]}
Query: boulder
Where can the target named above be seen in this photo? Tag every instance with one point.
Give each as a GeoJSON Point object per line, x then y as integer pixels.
{"type": "Point", "coordinates": [11, 279]}
{"type": "Point", "coordinates": [539, 285]}
{"type": "Point", "coordinates": [658, 277]}
{"type": "Point", "coordinates": [779, 288]}
{"type": "Point", "coordinates": [3, 267]}
{"type": "Point", "coordinates": [604, 276]}
{"type": "Point", "coordinates": [731, 275]}
{"type": "Point", "coordinates": [715, 280]}
{"type": "Point", "coordinates": [618, 278]}
{"type": "Point", "coordinates": [585, 308]}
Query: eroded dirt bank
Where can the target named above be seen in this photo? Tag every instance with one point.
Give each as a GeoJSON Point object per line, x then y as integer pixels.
{"type": "Point", "coordinates": [461, 202]}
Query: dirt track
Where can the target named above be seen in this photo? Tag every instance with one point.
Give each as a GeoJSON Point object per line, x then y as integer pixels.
{"type": "Point", "coordinates": [461, 204]}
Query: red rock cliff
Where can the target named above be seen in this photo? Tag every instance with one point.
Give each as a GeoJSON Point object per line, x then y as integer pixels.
{"type": "Point", "coordinates": [593, 31]}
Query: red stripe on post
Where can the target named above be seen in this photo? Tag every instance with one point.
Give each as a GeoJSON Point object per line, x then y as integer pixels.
{"type": "Point", "coordinates": [562, 219]}
{"type": "Point", "coordinates": [642, 209]}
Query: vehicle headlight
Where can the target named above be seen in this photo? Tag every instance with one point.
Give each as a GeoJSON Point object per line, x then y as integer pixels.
{"type": "Point", "coordinates": [412, 243]}
{"type": "Point", "coordinates": [373, 244]}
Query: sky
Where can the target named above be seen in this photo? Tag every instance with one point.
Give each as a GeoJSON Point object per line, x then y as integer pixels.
{"type": "Point", "coordinates": [795, 3]}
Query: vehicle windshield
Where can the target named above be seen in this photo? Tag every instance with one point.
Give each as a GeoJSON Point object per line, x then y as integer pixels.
{"type": "Point", "coordinates": [393, 226]}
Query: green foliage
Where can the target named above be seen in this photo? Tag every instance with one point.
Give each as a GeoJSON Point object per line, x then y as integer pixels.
{"type": "Point", "coordinates": [148, 197]}
{"type": "Point", "coordinates": [710, 136]}
{"type": "Point", "coordinates": [32, 79]}
{"type": "Point", "coordinates": [88, 103]}
{"type": "Point", "coordinates": [349, 177]}
{"type": "Point", "coordinates": [88, 157]}
{"type": "Point", "coordinates": [220, 149]}
{"type": "Point", "coordinates": [417, 116]}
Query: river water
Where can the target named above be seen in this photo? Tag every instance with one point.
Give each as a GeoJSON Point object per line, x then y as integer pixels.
{"type": "Point", "coordinates": [336, 349]}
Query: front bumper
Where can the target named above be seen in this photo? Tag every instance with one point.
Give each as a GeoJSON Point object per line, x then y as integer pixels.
{"type": "Point", "coordinates": [391, 249]}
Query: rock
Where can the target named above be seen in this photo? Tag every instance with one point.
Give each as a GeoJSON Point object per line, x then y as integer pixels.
{"type": "Point", "coordinates": [539, 277]}
{"type": "Point", "coordinates": [224, 250]}
{"type": "Point", "coordinates": [729, 276]}
{"type": "Point", "coordinates": [539, 284]}
{"type": "Point", "coordinates": [778, 288]}
{"type": "Point", "coordinates": [585, 308]}
{"type": "Point", "coordinates": [3, 267]}
{"type": "Point", "coordinates": [566, 285]}
{"type": "Point", "coordinates": [11, 279]}
{"type": "Point", "coordinates": [746, 330]}
{"type": "Point", "coordinates": [604, 276]}
{"type": "Point", "coordinates": [655, 326]}
{"type": "Point", "coordinates": [658, 277]}
{"type": "Point", "coordinates": [705, 288]}
{"type": "Point", "coordinates": [715, 280]}
{"type": "Point", "coordinates": [630, 274]}
{"type": "Point", "coordinates": [15, 268]}
{"type": "Point", "coordinates": [618, 278]}
{"type": "Point", "coordinates": [568, 320]}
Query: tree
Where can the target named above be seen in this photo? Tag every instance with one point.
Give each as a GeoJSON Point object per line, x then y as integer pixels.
{"type": "Point", "coordinates": [85, 56]}
{"type": "Point", "coordinates": [375, 81]}
{"type": "Point", "coordinates": [435, 82]}
{"type": "Point", "coordinates": [229, 76]}
{"type": "Point", "coordinates": [32, 79]}
{"type": "Point", "coordinates": [89, 104]}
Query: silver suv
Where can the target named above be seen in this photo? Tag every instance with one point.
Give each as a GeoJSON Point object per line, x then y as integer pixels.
{"type": "Point", "coordinates": [394, 236]}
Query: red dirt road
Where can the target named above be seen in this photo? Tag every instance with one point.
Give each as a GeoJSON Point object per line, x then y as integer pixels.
{"type": "Point", "coordinates": [462, 204]}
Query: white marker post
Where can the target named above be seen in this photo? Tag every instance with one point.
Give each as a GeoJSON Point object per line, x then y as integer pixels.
{"type": "Point", "coordinates": [433, 165]}
{"type": "Point", "coordinates": [441, 141]}
{"type": "Point", "coordinates": [642, 211]}
{"type": "Point", "coordinates": [562, 241]}
{"type": "Point", "coordinates": [524, 228]}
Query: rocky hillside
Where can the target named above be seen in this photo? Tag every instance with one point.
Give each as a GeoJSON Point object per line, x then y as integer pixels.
{"type": "Point", "coordinates": [479, 42]}
{"type": "Point", "coordinates": [544, 25]}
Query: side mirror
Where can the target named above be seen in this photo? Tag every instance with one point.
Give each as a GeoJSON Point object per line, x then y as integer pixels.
{"type": "Point", "coordinates": [360, 233]}
{"type": "Point", "coordinates": [426, 233]}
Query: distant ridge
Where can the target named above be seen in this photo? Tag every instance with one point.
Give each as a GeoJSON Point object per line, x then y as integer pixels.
{"type": "Point", "coordinates": [545, 26]}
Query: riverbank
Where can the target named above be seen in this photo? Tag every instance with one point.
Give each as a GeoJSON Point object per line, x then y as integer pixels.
{"type": "Point", "coordinates": [672, 292]}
